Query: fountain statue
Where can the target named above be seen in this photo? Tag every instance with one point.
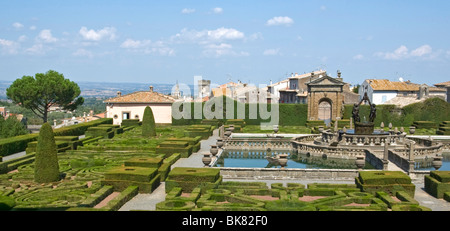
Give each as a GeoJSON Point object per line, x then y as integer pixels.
{"type": "Point", "coordinates": [365, 127]}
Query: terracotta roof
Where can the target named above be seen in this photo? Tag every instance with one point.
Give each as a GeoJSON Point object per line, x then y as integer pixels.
{"type": "Point", "coordinates": [444, 84]}
{"type": "Point", "coordinates": [387, 85]}
{"type": "Point", "coordinates": [142, 97]}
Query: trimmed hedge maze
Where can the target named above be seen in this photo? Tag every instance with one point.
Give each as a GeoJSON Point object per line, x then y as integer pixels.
{"type": "Point", "coordinates": [207, 192]}
{"type": "Point", "coordinates": [102, 171]}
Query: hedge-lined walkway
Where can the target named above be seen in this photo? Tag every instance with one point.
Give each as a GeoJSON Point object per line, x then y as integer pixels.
{"type": "Point", "coordinates": [146, 201]}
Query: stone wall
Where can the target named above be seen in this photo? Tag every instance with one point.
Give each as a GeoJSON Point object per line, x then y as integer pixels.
{"type": "Point", "coordinates": [288, 174]}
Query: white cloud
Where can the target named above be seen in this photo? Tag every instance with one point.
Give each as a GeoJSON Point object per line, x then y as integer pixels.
{"type": "Point", "coordinates": [135, 44]}
{"type": "Point", "coordinates": [421, 51]}
{"type": "Point", "coordinates": [148, 47]}
{"type": "Point", "coordinates": [218, 10]}
{"type": "Point", "coordinates": [83, 53]}
{"type": "Point", "coordinates": [46, 36]}
{"type": "Point", "coordinates": [36, 49]}
{"type": "Point", "coordinates": [205, 36]}
{"type": "Point", "coordinates": [17, 25]}
{"type": "Point", "coordinates": [403, 53]}
{"type": "Point", "coordinates": [358, 57]}
{"type": "Point", "coordinates": [187, 11]}
{"type": "Point", "coordinates": [8, 46]}
{"type": "Point", "coordinates": [223, 49]}
{"type": "Point", "coordinates": [225, 33]}
{"type": "Point", "coordinates": [214, 43]}
{"type": "Point", "coordinates": [276, 21]}
{"type": "Point", "coordinates": [271, 52]}
{"type": "Point", "coordinates": [92, 35]}
{"type": "Point", "coordinates": [32, 27]}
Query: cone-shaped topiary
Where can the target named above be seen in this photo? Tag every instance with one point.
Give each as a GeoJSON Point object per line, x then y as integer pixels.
{"type": "Point", "coordinates": [148, 123]}
{"type": "Point", "coordinates": [46, 168]}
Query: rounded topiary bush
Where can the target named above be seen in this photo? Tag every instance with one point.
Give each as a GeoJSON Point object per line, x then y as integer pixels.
{"type": "Point", "coordinates": [148, 123]}
{"type": "Point", "coordinates": [46, 168]}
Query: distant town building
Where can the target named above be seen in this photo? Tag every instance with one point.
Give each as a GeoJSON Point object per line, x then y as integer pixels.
{"type": "Point", "coordinates": [241, 92]}
{"type": "Point", "coordinates": [2, 111]}
{"type": "Point", "coordinates": [131, 106]}
{"type": "Point", "coordinates": [325, 99]}
{"type": "Point", "coordinates": [446, 86]}
{"type": "Point", "coordinates": [6, 114]}
{"type": "Point", "coordinates": [295, 88]}
{"type": "Point", "coordinates": [401, 93]}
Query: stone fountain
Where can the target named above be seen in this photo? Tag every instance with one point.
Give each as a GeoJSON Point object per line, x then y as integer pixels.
{"type": "Point", "coordinates": [377, 146]}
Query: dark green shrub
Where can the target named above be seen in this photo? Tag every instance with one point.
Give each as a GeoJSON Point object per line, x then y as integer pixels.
{"type": "Point", "coordinates": [148, 123]}
{"type": "Point", "coordinates": [147, 162]}
{"type": "Point", "coordinates": [126, 195]}
{"type": "Point", "coordinates": [288, 205]}
{"type": "Point", "coordinates": [6, 203]}
{"type": "Point", "coordinates": [190, 178]}
{"type": "Point", "coordinates": [46, 168]}
{"type": "Point", "coordinates": [387, 181]}
{"type": "Point", "coordinates": [434, 185]}
{"type": "Point", "coordinates": [383, 177]}
{"type": "Point", "coordinates": [130, 122]}
{"type": "Point", "coordinates": [147, 179]}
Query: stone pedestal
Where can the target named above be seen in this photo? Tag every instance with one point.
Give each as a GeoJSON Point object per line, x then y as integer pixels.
{"type": "Point", "coordinates": [364, 128]}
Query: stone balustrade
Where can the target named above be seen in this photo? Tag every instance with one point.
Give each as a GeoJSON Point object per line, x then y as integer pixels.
{"type": "Point", "coordinates": [257, 144]}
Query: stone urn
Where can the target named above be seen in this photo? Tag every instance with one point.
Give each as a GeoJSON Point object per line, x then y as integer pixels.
{"type": "Point", "coordinates": [219, 143]}
{"type": "Point", "coordinates": [275, 129]}
{"type": "Point", "coordinates": [214, 150]}
{"type": "Point", "coordinates": [282, 160]}
{"type": "Point", "coordinates": [360, 162]}
{"type": "Point", "coordinates": [231, 127]}
{"type": "Point", "coordinates": [206, 159]}
{"type": "Point", "coordinates": [320, 129]}
{"type": "Point", "coordinates": [437, 162]}
{"type": "Point", "coordinates": [412, 130]}
{"type": "Point", "coordinates": [227, 132]}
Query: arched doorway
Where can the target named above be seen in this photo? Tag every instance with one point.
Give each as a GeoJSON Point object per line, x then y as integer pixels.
{"type": "Point", "coordinates": [325, 111]}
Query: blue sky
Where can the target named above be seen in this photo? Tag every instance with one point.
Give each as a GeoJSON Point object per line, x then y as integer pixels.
{"type": "Point", "coordinates": [251, 41]}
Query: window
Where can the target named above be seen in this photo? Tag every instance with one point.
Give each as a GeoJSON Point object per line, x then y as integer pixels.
{"type": "Point", "coordinates": [115, 116]}
{"type": "Point", "coordinates": [383, 98]}
{"type": "Point", "coordinates": [125, 115]}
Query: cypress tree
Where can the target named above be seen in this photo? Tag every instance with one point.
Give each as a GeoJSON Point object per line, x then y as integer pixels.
{"type": "Point", "coordinates": [148, 123]}
{"type": "Point", "coordinates": [46, 168]}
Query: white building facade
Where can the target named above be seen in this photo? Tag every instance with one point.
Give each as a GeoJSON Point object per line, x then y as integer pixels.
{"type": "Point", "coordinates": [132, 106]}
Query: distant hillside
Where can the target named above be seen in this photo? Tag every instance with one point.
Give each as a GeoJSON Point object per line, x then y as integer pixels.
{"type": "Point", "coordinates": [99, 89]}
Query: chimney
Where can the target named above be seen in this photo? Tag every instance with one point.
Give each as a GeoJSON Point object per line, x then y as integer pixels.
{"type": "Point", "coordinates": [151, 88]}
{"type": "Point", "coordinates": [119, 94]}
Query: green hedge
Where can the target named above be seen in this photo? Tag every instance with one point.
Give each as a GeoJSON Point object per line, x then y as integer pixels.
{"type": "Point", "coordinates": [171, 147]}
{"type": "Point", "coordinates": [437, 183]}
{"type": "Point", "coordinates": [433, 109]}
{"type": "Point", "coordinates": [126, 195]}
{"type": "Point", "coordinates": [6, 203]}
{"type": "Point", "coordinates": [190, 178]}
{"type": "Point", "coordinates": [16, 144]}
{"type": "Point", "coordinates": [387, 181]}
{"type": "Point", "coordinates": [130, 122]}
{"type": "Point", "coordinates": [289, 114]}
{"type": "Point", "coordinates": [424, 124]}
{"type": "Point", "coordinates": [146, 162]}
